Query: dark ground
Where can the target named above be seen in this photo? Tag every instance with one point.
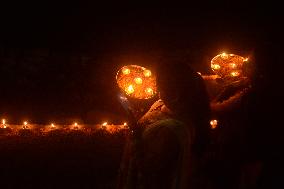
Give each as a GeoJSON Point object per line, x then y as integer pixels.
{"type": "Point", "coordinates": [60, 159]}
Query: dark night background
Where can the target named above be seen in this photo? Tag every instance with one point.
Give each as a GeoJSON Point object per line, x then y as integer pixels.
{"type": "Point", "coordinates": [58, 60]}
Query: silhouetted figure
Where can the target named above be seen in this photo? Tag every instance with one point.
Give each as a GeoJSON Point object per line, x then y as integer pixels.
{"type": "Point", "coordinates": [168, 145]}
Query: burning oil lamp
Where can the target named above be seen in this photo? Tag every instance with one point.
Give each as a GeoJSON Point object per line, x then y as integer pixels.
{"type": "Point", "coordinates": [214, 124]}
{"type": "Point", "coordinates": [4, 124]}
{"type": "Point", "coordinates": [76, 126]}
{"type": "Point", "coordinates": [104, 125]}
{"type": "Point", "coordinates": [228, 65]}
{"type": "Point", "coordinates": [52, 126]}
{"type": "Point", "coordinates": [137, 82]}
{"type": "Point", "coordinates": [25, 126]}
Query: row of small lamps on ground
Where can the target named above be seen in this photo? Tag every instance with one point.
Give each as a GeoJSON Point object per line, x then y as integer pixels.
{"type": "Point", "coordinates": [75, 125]}
{"type": "Point", "coordinates": [213, 125]}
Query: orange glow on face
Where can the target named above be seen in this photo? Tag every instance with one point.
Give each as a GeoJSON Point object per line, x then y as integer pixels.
{"type": "Point", "coordinates": [225, 65]}
{"type": "Point", "coordinates": [138, 80]}
{"type": "Point", "coordinates": [136, 83]}
{"type": "Point", "coordinates": [147, 73]}
{"type": "Point", "coordinates": [213, 123]}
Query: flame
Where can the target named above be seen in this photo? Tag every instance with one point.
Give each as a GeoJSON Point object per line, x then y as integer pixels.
{"type": "Point", "coordinates": [138, 80]}
{"type": "Point", "coordinates": [25, 123]}
{"type": "Point", "coordinates": [199, 73]}
{"type": "Point", "coordinates": [233, 65]}
{"type": "Point", "coordinates": [234, 74]}
{"type": "Point", "coordinates": [75, 124]}
{"type": "Point", "coordinates": [3, 121]}
{"type": "Point", "coordinates": [215, 66]}
{"type": "Point", "coordinates": [52, 125]}
{"type": "Point", "coordinates": [224, 55]}
{"type": "Point", "coordinates": [135, 83]}
{"type": "Point", "coordinates": [104, 124]}
{"type": "Point", "coordinates": [147, 73]}
{"type": "Point", "coordinates": [149, 91]}
{"type": "Point", "coordinates": [225, 65]}
{"type": "Point", "coordinates": [125, 71]}
{"type": "Point", "coordinates": [213, 123]}
{"type": "Point", "coordinates": [130, 89]}
{"type": "Point", "coordinates": [125, 124]}
{"type": "Point", "coordinates": [246, 59]}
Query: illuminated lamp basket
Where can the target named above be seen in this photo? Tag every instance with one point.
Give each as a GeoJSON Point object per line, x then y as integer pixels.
{"type": "Point", "coordinates": [228, 65]}
{"type": "Point", "coordinates": [137, 82]}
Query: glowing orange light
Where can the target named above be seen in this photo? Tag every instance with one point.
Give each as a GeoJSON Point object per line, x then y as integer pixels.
{"type": "Point", "coordinates": [125, 71]}
{"type": "Point", "coordinates": [213, 123]}
{"type": "Point", "coordinates": [3, 121]}
{"type": "Point", "coordinates": [246, 59]}
{"type": "Point", "coordinates": [149, 91]}
{"type": "Point", "coordinates": [135, 83]}
{"type": "Point", "coordinates": [138, 80]}
{"type": "Point", "coordinates": [147, 73]}
{"type": "Point", "coordinates": [225, 55]}
{"type": "Point", "coordinates": [225, 65]}
{"type": "Point", "coordinates": [52, 125]}
{"type": "Point", "coordinates": [75, 124]}
{"type": "Point", "coordinates": [4, 126]}
{"type": "Point", "coordinates": [215, 66]}
{"type": "Point", "coordinates": [130, 89]}
{"type": "Point", "coordinates": [25, 126]}
{"type": "Point", "coordinates": [125, 124]}
{"type": "Point", "coordinates": [104, 124]}
{"type": "Point", "coordinates": [233, 65]}
{"type": "Point", "coordinates": [199, 73]}
{"type": "Point", "coordinates": [234, 74]}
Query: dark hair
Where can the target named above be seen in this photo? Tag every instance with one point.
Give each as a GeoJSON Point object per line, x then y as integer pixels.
{"type": "Point", "coordinates": [184, 93]}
